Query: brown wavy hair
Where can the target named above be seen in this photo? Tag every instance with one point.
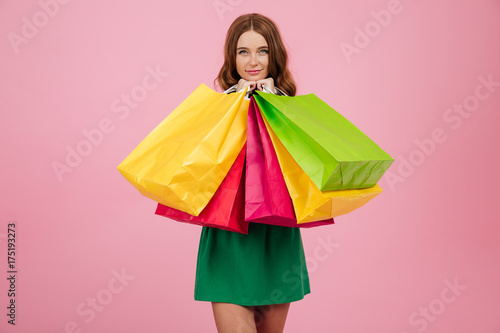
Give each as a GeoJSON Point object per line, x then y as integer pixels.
{"type": "Point", "coordinates": [278, 57]}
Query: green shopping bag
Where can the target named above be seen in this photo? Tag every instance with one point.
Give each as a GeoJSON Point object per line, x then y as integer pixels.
{"type": "Point", "coordinates": [333, 152]}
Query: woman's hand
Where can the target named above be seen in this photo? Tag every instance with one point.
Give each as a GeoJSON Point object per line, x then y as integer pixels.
{"type": "Point", "coordinates": [243, 84]}
{"type": "Point", "coordinates": [269, 83]}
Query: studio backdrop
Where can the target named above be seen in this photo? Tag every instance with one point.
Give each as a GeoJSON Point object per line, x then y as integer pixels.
{"type": "Point", "coordinates": [83, 82]}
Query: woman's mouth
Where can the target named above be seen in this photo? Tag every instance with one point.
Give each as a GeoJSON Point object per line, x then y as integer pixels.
{"type": "Point", "coordinates": [254, 72]}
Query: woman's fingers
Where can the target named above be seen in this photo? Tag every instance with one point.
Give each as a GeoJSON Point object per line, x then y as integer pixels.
{"type": "Point", "coordinates": [269, 83]}
{"type": "Point", "coordinates": [243, 84]}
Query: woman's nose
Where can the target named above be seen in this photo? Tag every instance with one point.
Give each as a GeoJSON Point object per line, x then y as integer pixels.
{"type": "Point", "coordinates": [253, 60]}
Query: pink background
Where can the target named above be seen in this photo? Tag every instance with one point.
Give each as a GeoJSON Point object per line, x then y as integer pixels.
{"type": "Point", "coordinates": [389, 265]}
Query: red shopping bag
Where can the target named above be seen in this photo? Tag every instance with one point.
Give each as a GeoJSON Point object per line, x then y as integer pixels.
{"type": "Point", "coordinates": [266, 196]}
{"type": "Point", "coordinates": [226, 208]}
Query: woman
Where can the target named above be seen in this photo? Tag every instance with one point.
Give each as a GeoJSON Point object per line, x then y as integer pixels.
{"type": "Point", "coordinates": [251, 279]}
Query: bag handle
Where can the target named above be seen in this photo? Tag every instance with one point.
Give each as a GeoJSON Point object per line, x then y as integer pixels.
{"type": "Point", "coordinates": [233, 88]}
{"type": "Point", "coordinates": [277, 90]}
{"type": "Point", "coordinates": [264, 87]}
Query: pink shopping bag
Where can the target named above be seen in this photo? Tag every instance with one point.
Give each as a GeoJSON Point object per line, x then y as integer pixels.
{"type": "Point", "coordinates": [266, 196]}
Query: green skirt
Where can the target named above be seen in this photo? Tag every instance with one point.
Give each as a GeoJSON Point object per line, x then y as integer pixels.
{"type": "Point", "coordinates": [266, 266]}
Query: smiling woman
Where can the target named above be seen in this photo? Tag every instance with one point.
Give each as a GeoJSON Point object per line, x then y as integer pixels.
{"type": "Point", "coordinates": [248, 277]}
{"type": "Point", "coordinates": [253, 52]}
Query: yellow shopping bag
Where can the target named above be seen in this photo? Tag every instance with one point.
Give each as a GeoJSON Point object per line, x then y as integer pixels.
{"type": "Point", "coordinates": [182, 162]}
{"type": "Point", "coordinates": [309, 202]}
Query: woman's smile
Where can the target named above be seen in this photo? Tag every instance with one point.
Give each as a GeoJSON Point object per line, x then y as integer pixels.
{"type": "Point", "coordinates": [253, 71]}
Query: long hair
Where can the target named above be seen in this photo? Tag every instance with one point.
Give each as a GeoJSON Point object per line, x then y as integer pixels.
{"type": "Point", "coordinates": [278, 57]}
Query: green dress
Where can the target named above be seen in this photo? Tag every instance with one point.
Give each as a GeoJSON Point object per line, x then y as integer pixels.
{"type": "Point", "coordinates": [265, 266]}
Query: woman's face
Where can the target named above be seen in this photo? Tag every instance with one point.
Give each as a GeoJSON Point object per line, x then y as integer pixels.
{"type": "Point", "coordinates": [252, 56]}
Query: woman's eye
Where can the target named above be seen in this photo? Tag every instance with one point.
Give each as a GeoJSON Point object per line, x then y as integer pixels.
{"type": "Point", "coordinates": [245, 52]}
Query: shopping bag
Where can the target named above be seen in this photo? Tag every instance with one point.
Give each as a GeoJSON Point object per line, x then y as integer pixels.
{"type": "Point", "coordinates": [226, 208]}
{"type": "Point", "coordinates": [309, 202]}
{"type": "Point", "coordinates": [182, 162]}
{"type": "Point", "coordinates": [333, 152]}
{"type": "Point", "coordinates": [266, 196]}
